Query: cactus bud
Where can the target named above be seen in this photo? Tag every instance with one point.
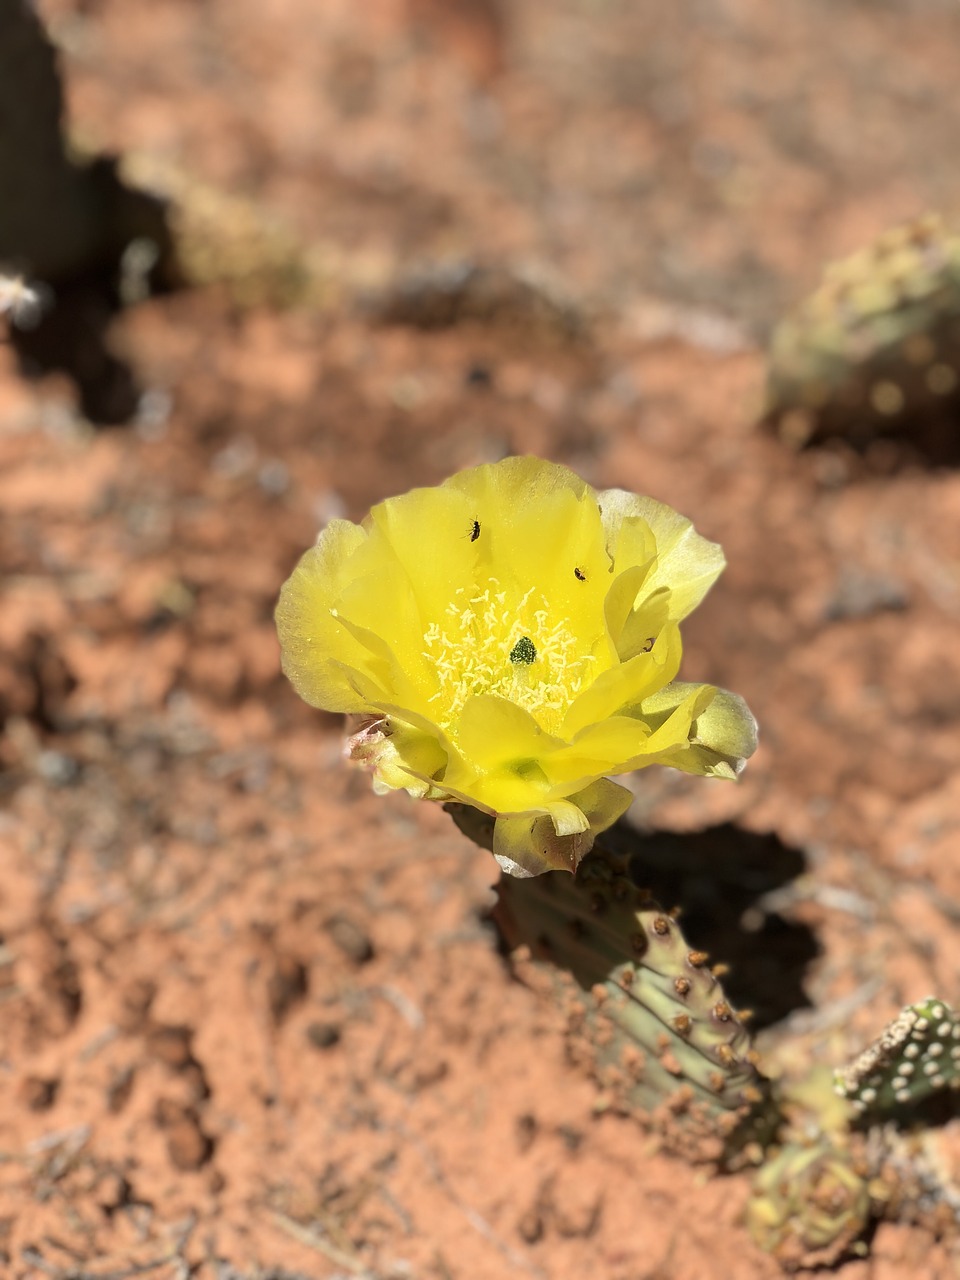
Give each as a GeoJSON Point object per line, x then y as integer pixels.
{"type": "Point", "coordinates": [810, 1204]}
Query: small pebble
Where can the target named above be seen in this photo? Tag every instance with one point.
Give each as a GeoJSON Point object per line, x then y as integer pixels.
{"type": "Point", "coordinates": [351, 939]}
{"type": "Point", "coordinates": [324, 1035]}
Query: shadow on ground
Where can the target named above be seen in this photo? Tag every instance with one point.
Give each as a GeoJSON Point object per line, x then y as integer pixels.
{"type": "Point", "coordinates": [718, 879]}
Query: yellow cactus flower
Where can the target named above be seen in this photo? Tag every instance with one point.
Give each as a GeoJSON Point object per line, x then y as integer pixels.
{"type": "Point", "coordinates": [509, 639]}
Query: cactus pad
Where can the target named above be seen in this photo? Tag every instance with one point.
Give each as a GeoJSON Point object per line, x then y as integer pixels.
{"type": "Point", "coordinates": [646, 1012]}
{"type": "Point", "coordinates": [875, 350]}
{"type": "Point", "coordinates": [917, 1055]}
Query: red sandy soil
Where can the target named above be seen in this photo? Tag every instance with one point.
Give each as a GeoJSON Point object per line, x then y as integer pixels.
{"type": "Point", "coordinates": [253, 1020]}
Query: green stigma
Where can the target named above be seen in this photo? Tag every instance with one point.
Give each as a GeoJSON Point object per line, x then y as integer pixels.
{"type": "Point", "coordinates": [523, 652]}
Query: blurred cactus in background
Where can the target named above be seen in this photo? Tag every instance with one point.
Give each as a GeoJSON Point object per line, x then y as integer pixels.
{"type": "Point", "coordinates": [66, 227]}
{"type": "Point", "coordinates": [875, 350]}
{"type": "Point", "coordinates": [60, 217]}
{"type": "Point", "coordinates": [917, 1056]}
{"type": "Point", "coordinates": [221, 238]}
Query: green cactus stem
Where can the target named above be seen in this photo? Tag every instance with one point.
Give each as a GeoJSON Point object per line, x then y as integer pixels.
{"type": "Point", "coordinates": [875, 350]}
{"type": "Point", "coordinates": [646, 1012]}
{"type": "Point", "coordinates": [916, 1056]}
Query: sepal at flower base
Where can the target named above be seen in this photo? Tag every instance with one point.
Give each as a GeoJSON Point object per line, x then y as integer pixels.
{"type": "Point", "coordinates": [532, 844]}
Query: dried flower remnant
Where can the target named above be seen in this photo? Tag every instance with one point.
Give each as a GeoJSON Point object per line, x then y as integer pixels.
{"type": "Point", "coordinates": [509, 639]}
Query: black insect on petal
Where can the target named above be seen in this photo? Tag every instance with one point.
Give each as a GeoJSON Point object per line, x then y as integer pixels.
{"type": "Point", "coordinates": [475, 531]}
{"type": "Point", "coordinates": [579, 575]}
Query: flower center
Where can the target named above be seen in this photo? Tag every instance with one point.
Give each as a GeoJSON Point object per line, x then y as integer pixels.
{"type": "Point", "coordinates": [489, 641]}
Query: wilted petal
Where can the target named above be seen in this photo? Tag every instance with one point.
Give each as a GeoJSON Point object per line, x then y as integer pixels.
{"type": "Point", "coordinates": [603, 802]}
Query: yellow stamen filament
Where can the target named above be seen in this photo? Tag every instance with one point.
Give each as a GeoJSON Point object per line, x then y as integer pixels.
{"type": "Point", "coordinates": [471, 654]}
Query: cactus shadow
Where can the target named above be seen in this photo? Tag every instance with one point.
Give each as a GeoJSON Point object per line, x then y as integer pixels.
{"type": "Point", "coordinates": [723, 880]}
{"type": "Point", "coordinates": [70, 332]}
{"type": "Point", "coordinates": [72, 338]}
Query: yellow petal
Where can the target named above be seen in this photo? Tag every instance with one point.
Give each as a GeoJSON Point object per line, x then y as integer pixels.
{"type": "Point", "coordinates": [513, 483]}
{"type": "Point", "coordinates": [687, 563]}
{"type": "Point", "coordinates": [645, 623]}
{"type": "Point", "coordinates": [376, 700]}
{"type": "Point", "coordinates": [502, 791]}
{"type": "Point", "coordinates": [626, 684]}
{"type": "Point", "coordinates": [520, 790]}
{"type": "Point", "coordinates": [606, 747]}
{"type": "Point", "coordinates": [672, 725]}
{"type": "Point", "coordinates": [629, 539]}
{"type": "Point", "coordinates": [620, 599]}
{"type": "Point", "coordinates": [536, 523]}
{"type": "Point", "coordinates": [626, 742]}
{"type": "Point", "coordinates": [426, 534]}
{"type": "Point", "coordinates": [380, 663]}
{"type": "Point", "coordinates": [312, 641]}
{"type": "Point", "coordinates": [499, 763]}
{"type": "Point", "coordinates": [493, 730]}
{"type": "Point", "coordinates": [722, 735]}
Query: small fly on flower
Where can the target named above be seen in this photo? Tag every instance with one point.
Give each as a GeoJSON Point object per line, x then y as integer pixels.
{"type": "Point", "coordinates": [24, 303]}
{"type": "Point", "coordinates": [473, 532]}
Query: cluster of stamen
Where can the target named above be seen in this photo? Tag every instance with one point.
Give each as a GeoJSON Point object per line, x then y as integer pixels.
{"type": "Point", "coordinates": [492, 642]}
